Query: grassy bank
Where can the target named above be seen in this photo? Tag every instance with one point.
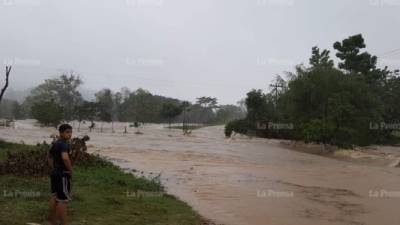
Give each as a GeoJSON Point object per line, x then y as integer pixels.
{"type": "Point", "coordinates": [102, 195]}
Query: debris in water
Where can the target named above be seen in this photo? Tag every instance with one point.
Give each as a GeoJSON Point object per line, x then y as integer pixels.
{"type": "Point", "coordinates": [396, 163]}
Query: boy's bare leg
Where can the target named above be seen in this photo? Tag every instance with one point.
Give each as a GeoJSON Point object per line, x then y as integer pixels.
{"type": "Point", "coordinates": [52, 211]}
{"type": "Point", "coordinates": [61, 209]}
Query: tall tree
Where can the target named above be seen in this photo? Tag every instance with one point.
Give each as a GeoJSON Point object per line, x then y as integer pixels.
{"type": "Point", "coordinates": [319, 58]}
{"type": "Point", "coordinates": [3, 90]}
{"type": "Point", "coordinates": [256, 104]}
{"type": "Point", "coordinates": [10, 109]}
{"type": "Point", "coordinates": [331, 105]}
{"type": "Point", "coordinates": [169, 111]}
{"type": "Point", "coordinates": [206, 109]}
{"type": "Point", "coordinates": [207, 102]}
{"type": "Point", "coordinates": [62, 90]}
{"type": "Point", "coordinates": [86, 111]}
{"type": "Point", "coordinates": [353, 60]}
{"type": "Point", "coordinates": [104, 99]}
{"type": "Point", "coordinates": [48, 112]}
{"type": "Point", "coordinates": [226, 113]}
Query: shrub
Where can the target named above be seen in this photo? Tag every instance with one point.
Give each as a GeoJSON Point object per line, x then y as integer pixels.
{"type": "Point", "coordinates": [242, 126]}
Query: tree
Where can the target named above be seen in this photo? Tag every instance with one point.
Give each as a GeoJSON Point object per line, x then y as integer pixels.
{"type": "Point", "coordinates": [10, 109]}
{"type": "Point", "coordinates": [391, 98]}
{"type": "Point", "coordinates": [17, 110]}
{"type": "Point", "coordinates": [185, 106]}
{"type": "Point", "coordinates": [141, 105]}
{"type": "Point", "coordinates": [256, 104]}
{"type": "Point", "coordinates": [207, 102]}
{"type": "Point", "coordinates": [227, 113]}
{"type": "Point", "coordinates": [170, 111]}
{"type": "Point", "coordinates": [330, 105]}
{"type": "Point", "coordinates": [352, 60]}
{"type": "Point", "coordinates": [3, 90]}
{"type": "Point", "coordinates": [86, 111]}
{"type": "Point", "coordinates": [205, 113]}
{"type": "Point", "coordinates": [320, 58]}
{"type": "Point", "coordinates": [48, 112]}
{"type": "Point", "coordinates": [62, 90]}
{"type": "Point", "coordinates": [104, 99]}
{"type": "Point", "coordinates": [117, 103]}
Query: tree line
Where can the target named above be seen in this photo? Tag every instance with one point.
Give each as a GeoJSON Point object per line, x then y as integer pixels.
{"type": "Point", "coordinates": [56, 100]}
{"type": "Point", "coordinates": [352, 103]}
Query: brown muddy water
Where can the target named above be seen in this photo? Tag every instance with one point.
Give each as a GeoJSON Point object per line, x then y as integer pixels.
{"type": "Point", "coordinates": [242, 181]}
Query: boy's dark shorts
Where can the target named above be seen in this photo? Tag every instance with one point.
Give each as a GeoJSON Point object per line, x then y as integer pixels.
{"type": "Point", "coordinates": [61, 187]}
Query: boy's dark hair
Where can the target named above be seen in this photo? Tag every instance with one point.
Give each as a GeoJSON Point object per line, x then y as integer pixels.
{"type": "Point", "coordinates": [64, 127]}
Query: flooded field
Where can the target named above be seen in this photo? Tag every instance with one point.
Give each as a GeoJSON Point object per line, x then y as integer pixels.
{"type": "Point", "coordinates": [242, 181]}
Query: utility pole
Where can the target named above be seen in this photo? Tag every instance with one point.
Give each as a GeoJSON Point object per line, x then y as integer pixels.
{"type": "Point", "coordinates": [275, 89]}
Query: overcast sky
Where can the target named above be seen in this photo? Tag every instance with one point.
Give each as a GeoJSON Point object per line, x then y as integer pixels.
{"type": "Point", "coordinates": [184, 48]}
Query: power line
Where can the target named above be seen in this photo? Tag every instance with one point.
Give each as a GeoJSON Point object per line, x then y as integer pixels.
{"type": "Point", "coordinates": [390, 53]}
{"type": "Point", "coordinates": [393, 54]}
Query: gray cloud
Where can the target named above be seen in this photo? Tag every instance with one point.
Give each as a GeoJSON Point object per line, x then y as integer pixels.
{"type": "Point", "coordinates": [184, 48]}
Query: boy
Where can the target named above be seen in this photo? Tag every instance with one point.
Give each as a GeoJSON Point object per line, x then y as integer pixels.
{"type": "Point", "coordinates": [60, 178]}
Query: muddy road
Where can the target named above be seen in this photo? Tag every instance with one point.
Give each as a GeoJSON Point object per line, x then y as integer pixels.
{"type": "Point", "coordinates": [242, 181]}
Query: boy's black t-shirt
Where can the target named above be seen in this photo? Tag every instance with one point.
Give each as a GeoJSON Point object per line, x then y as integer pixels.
{"type": "Point", "coordinates": [56, 149]}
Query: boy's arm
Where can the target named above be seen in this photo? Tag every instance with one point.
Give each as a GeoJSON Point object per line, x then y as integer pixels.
{"type": "Point", "coordinates": [67, 161]}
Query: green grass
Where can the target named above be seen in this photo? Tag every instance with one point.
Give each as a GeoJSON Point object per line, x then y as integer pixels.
{"type": "Point", "coordinates": [100, 197]}
{"type": "Point", "coordinates": [11, 147]}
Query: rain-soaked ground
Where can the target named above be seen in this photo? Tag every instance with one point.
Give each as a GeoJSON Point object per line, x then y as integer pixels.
{"type": "Point", "coordinates": [242, 181]}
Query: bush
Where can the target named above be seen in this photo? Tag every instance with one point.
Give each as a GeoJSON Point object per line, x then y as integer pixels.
{"type": "Point", "coordinates": [318, 131]}
{"type": "Point", "coordinates": [26, 161]}
{"type": "Point", "coordinates": [239, 126]}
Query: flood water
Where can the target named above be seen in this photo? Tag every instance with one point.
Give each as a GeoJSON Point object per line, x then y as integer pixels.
{"type": "Point", "coordinates": [242, 181]}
